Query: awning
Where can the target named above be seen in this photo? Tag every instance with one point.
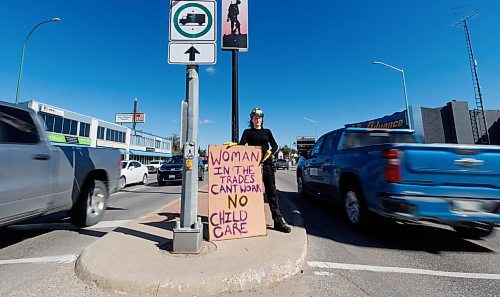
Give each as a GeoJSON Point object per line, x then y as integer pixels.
{"type": "Point", "coordinates": [124, 152]}
{"type": "Point", "coordinates": [149, 154]}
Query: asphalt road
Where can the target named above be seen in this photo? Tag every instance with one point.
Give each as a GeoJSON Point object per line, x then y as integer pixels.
{"type": "Point", "coordinates": [37, 257]}
{"type": "Point", "coordinates": [386, 259]}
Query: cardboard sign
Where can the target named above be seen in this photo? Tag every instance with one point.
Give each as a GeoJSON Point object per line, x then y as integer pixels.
{"type": "Point", "coordinates": [235, 192]}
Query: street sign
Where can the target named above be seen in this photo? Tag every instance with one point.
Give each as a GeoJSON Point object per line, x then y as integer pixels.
{"type": "Point", "coordinates": [191, 53]}
{"type": "Point", "coordinates": [235, 25]}
{"type": "Point", "coordinates": [305, 143]}
{"type": "Point", "coordinates": [192, 21]}
{"type": "Point", "coordinates": [129, 118]}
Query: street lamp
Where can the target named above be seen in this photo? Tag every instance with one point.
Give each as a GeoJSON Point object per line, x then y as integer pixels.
{"type": "Point", "coordinates": [22, 53]}
{"type": "Point", "coordinates": [315, 125]}
{"type": "Point", "coordinates": [404, 87]}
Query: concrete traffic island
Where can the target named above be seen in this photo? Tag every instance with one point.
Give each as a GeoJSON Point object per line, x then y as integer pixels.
{"type": "Point", "coordinates": [136, 258]}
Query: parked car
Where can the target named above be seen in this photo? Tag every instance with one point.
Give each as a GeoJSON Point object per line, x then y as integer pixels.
{"type": "Point", "coordinates": [171, 170]}
{"type": "Point", "coordinates": [153, 166]}
{"type": "Point", "coordinates": [39, 178]}
{"type": "Point", "coordinates": [281, 164]}
{"type": "Point", "coordinates": [133, 172]}
{"type": "Point", "coordinates": [390, 173]}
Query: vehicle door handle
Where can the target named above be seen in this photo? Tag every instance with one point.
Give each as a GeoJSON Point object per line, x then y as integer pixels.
{"type": "Point", "coordinates": [41, 157]}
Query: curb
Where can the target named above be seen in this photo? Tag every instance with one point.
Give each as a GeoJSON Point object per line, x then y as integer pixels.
{"type": "Point", "coordinates": [267, 260]}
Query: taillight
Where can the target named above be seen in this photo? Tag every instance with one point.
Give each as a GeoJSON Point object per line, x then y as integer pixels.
{"type": "Point", "coordinates": [120, 162]}
{"type": "Point", "coordinates": [392, 171]}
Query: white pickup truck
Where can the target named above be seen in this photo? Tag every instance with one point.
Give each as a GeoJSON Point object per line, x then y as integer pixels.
{"type": "Point", "coordinates": [38, 178]}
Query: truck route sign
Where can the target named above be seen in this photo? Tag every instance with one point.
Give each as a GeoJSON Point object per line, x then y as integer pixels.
{"type": "Point", "coordinates": [192, 21]}
{"type": "Point", "coordinates": [192, 32]}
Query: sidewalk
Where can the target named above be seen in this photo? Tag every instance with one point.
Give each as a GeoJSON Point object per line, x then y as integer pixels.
{"type": "Point", "coordinates": [136, 258]}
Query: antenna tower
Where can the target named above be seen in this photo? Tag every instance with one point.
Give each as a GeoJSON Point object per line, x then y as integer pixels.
{"type": "Point", "coordinates": [477, 117]}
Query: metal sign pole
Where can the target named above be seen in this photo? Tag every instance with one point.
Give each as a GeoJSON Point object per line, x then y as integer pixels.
{"type": "Point", "coordinates": [135, 112]}
{"type": "Point", "coordinates": [188, 232]}
{"type": "Point", "coordinates": [235, 122]}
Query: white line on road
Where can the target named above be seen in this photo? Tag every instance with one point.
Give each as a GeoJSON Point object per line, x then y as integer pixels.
{"type": "Point", "coordinates": [54, 259]}
{"type": "Point", "coordinates": [67, 226]}
{"type": "Point", "coordinates": [330, 265]}
{"type": "Point", "coordinates": [323, 273]}
{"type": "Point", "coordinates": [109, 224]}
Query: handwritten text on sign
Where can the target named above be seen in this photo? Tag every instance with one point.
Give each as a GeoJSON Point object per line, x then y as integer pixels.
{"type": "Point", "coordinates": [236, 205]}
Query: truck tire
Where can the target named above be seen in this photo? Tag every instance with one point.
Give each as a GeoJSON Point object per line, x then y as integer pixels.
{"type": "Point", "coordinates": [474, 232]}
{"type": "Point", "coordinates": [122, 182]}
{"type": "Point", "coordinates": [91, 205]}
{"type": "Point", "coordinates": [354, 205]}
{"type": "Point", "coordinates": [144, 179]}
{"type": "Point", "coordinates": [300, 187]}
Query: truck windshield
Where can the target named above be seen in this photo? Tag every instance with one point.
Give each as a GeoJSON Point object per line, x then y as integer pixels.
{"type": "Point", "coordinates": [355, 139]}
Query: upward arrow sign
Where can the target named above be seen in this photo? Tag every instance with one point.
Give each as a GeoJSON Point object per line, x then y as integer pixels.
{"type": "Point", "coordinates": [192, 53]}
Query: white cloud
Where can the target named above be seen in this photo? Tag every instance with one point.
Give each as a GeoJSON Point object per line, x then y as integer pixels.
{"type": "Point", "coordinates": [211, 70]}
{"type": "Point", "coordinates": [206, 122]}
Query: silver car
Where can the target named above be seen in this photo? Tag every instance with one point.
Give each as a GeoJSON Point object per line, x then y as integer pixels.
{"type": "Point", "coordinates": [281, 164]}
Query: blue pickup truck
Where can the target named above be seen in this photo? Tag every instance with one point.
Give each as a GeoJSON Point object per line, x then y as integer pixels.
{"type": "Point", "coordinates": [391, 173]}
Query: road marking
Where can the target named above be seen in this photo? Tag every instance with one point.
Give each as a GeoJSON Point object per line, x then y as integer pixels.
{"type": "Point", "coordinates": [344, 266]}
{"type": "Point", "coordinates": [323, 273]}
{"type": "Point", "coordinates": [54, 259]}
{"type": "Point", "coordinates": [67, 226]}
{"type": "Point", "coordinates": [109, 224]}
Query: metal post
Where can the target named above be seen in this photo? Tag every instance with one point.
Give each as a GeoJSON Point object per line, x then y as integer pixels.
{"type": "Point", "coordinates": [406, 101]}
{"type": "Point", "coordinates": [135, 112]}
{"type": "Point", "coordinates": [235, 121]}
{"type": "Point", "coordinates": [188, 232]}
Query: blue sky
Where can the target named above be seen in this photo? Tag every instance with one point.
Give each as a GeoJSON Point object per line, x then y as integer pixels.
{"type": "Point", "coordinates": [307, 59]}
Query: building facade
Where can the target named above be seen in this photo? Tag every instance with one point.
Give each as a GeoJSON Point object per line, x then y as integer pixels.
{"type": "Point", "coordinates": [451, 123]}
{"type": "Point", "coordinates": [70, 128]}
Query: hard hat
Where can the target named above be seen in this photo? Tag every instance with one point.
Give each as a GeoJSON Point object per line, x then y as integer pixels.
{"type": "Point", "coordinates": [256, 112]}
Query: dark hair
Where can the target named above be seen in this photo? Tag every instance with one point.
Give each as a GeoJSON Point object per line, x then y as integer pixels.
{"type": "Point", "coordinates": [251, 124]}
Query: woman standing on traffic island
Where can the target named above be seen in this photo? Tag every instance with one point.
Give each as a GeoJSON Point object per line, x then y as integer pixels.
{"type": "Point", "coordinates": [257, 135]}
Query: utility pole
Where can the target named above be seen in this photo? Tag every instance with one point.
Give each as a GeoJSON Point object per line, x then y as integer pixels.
{"type": "Point", "coordinates": [188, 232]}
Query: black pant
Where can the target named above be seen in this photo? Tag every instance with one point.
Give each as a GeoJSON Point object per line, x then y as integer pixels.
{"type": "Point", "coordinates": [270, 188]}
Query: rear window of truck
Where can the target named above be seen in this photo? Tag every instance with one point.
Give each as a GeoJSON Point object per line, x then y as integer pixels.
{"type": "Point", "coordinates": [362, 139]}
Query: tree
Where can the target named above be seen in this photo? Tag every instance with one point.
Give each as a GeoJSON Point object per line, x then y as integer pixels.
{"type": "Point", "coordinates": [288, 150]}
{"type": "Point", "coordinates": [202, 153]}
{"type": "Point", "coordinates": [176, 144]}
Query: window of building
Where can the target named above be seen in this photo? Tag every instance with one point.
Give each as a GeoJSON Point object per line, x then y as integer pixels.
{"type": "Point", "coordinates": [84, 129]}
{"type": "Point", "coordinates": [100, 132]}
{"type": "Point", "coordinates": [73, 128]}
{"type": "Point", "coordinates": [49, 121]}
{"type": "Point", "coordinates": [66, 126]}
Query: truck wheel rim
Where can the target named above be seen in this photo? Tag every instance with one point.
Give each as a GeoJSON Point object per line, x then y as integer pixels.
{"type": "Point", "coordinates": [352, 206]}
{"type": "Point", "coordinates": [122, 183]}
{"type": "Point", "coordinates": [96, 203]}
{"type": "Point", "coordinates": [145, 179]}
